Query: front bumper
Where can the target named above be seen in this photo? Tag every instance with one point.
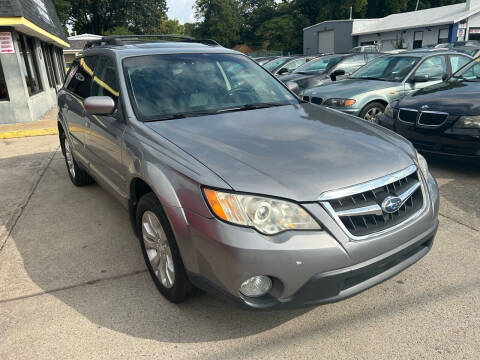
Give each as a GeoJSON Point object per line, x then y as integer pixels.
{"type": "Point", "coordinates": [307, 268]}
{"type": "Point", "coordinates": [445, 140]}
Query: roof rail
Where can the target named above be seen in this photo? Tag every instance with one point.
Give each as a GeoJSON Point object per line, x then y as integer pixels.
{"type": "Point", "coordinates": [119, 40]}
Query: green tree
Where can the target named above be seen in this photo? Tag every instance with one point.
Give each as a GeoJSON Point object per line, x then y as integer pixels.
{"type": "Point", "coordinates": [219, 20]}
{"type": "Point", "coordinates": [99, 16]}
{"type": "Point", "coordinates": [118, 30]}
{"type": "Point", "coordinates": [172, 27]}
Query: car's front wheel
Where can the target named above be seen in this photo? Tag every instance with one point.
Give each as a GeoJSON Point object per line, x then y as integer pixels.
{"type": "Point", "coordinates": [372, 112]}
{"type": "Point", "coordinates": [160, 250]}
{"type": "Point", "coordinates": [78, 176]}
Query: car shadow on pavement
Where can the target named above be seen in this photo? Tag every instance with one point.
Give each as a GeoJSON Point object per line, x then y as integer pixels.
{"type": "Point", "coordinates": [459, 183]}
{"type": "Point", "coordinates": [76, 244]}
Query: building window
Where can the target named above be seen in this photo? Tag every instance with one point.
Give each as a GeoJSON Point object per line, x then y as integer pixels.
{"type": "Point", "coordinates": [417, 39]}
{"type": "Point", "coordinates": [3, 85]}
{"type": "Point", "coordinates": [28, 58]}
{"type": "Point", "coordinates": [61, 64]}
{"type": "Point", "coordinates": [443, 36]}
{"type": "Point", "coordinates": [48, 66]}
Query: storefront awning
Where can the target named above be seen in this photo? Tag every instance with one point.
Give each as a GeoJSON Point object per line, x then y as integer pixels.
{"type": "Point", "coordinates": [27, 27]}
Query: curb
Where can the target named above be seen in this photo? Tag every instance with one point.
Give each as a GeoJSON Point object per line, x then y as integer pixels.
{"type": "Point", "coordinates": [28, 133]}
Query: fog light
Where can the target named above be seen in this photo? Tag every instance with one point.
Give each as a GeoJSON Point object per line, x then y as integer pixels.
{"type": "Point", "coordinates": [256, 286]}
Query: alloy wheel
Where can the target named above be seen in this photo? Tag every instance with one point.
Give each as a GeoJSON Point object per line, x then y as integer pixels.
{"type": "Point", "coordinates": [373, 114]}
{"type": "Point", "coordinates": [158, 249]}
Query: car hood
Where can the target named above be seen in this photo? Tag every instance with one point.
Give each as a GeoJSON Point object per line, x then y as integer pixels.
{"type": "Point", "coordinates": [349, 88]}
{"type": "Point", "coordinates": [298, 77]}
{"type": "Point", "coordinates": [456, 98]}
{"type": "Point", "coordinates": [294, 151]}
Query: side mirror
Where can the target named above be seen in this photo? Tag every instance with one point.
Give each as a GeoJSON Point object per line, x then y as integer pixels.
{"type": "Point", "coordinates": [282, 71]}
{"type": "Point", "coordinates": [445, 77]}
{"type": "Point", "coordinates": [420, 78]}
{"type": "Point", "coordinates": [99, 105]}
{"type": "Point", "coordinates": [336, 73]}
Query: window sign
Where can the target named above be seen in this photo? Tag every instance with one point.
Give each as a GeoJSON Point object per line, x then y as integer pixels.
{"type": "Point", "coordinates": [6, 43]}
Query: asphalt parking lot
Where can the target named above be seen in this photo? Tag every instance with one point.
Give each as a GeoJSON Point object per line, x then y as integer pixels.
{"type": "Point", "coordinates": [73, 284]}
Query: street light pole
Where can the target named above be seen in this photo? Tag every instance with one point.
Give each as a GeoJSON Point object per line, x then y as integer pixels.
{"type": "Point", "coordinates": [416, 7]}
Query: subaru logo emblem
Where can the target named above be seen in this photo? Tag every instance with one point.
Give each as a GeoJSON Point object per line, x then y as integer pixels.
{"type": "Point", "coordinates": [391, 204]}
{"type": "Point", "coordinates": [425, 107]}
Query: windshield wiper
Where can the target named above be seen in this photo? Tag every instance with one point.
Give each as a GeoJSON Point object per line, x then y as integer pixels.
{"type": "Point", "coordinates": [252, 106]}
{"type": "Point", "coordinates": [368, 78]}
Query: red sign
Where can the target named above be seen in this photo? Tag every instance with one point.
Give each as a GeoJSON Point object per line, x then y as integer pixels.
{"type": "Point", "coordinates": [6, 43]}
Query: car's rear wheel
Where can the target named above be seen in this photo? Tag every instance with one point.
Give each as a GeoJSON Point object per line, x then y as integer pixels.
{"type": "Point", "coordinates": [78, 176]}
{"type": "Point", "coordinates": [372, 112]}
{"type": "Point", "coordinates": [160, 250]}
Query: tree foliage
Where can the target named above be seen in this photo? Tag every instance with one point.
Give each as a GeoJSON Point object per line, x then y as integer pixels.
{"type": "Point", "coordinates": [219, 18]}
{"type": "Point", "coordinates": [260, 24]}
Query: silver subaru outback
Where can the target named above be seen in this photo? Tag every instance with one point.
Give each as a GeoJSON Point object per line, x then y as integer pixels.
{"type": "Point", "coordinates": [236, 186]}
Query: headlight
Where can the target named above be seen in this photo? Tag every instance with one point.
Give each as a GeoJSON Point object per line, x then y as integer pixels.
{"type": "Point", "coordinates": [468, 122]}
{"type": "Point", "coordinates": [423, 165]}
{"type": "Point", "coordinates": [266, 215]}
{"type": "Point", "coordinates": [339, 102]}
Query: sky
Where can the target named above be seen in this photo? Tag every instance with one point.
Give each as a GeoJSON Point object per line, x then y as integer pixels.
{"type": "Point", "coordinates": [181, 10]}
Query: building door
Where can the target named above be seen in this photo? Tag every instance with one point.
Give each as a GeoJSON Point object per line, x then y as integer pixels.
{"type": "Point", "coordinates": [326, 42]}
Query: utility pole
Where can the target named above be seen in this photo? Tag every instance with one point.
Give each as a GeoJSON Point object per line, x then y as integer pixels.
{"type": "Point", "coordinates": [416, 7]}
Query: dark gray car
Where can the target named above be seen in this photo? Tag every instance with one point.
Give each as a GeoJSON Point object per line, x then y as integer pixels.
{"type": "Point", "coordinates": [235, 186]}
{"type": "Point", "coordinates": [325, 69]}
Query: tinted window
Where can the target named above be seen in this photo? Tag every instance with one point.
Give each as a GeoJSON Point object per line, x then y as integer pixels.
{"type": "Point", "coordinates": [272, 65]}
{"type": "Point", "coordinates": [390, 68]}
{"type": "Point", "coordinates": [80, 78]}
{"type": "Point", "coordinates": [105, 81]}
{"type": "Point", "coordinates": [162, 86]}
{"type": "Point", "coordinates": [319, 65]}
{"type": "Point", "coordinates": [295, 64]}
{"type": "Point", "coordinates": [458, 62]}
{"type": "Point", "coordinates": [352, 63]}
{"type": "Point", "coordinates": [433, 68]}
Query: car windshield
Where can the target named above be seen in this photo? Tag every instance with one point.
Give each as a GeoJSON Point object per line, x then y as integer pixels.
{"type": "Point", "coordinates": [390, 68]}
{"type": "Point", "coordinates": [264, 61]}
{"type": "Point", "coordinates": [165, 87]}
{"type": "Point", "coordinates": [469, 72]}
{"type": "Point", "coordinates": [319, 65]}
{"type": "Point", "coordinates": [272, 65]}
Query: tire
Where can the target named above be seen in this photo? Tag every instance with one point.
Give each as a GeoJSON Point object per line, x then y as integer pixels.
{"type": "Point", "coordinates": [78, 176]}
{"type": "Point", "coordinates": [160, 250]}
{"type": "Point", "coordinates": [372, 111]}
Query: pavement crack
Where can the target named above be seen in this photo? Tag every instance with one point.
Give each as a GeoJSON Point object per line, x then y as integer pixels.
{"type": "Point", "coordinates": [459, 222]}
{"type": "Point", "coordinates": [18, 214]}
{"type": "Point", "coordinates": [86, 283]}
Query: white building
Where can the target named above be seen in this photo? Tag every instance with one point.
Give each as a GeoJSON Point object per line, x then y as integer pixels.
{"type": "Point", "coordinates": [408, 30]}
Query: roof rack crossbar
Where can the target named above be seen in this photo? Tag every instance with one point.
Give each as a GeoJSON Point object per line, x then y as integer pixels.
{"type": "Point", "coordinates": [119, 40]}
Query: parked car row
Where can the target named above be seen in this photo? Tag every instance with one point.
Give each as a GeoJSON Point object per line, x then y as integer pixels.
{"type": "Point", "coordinates": [427, 96]}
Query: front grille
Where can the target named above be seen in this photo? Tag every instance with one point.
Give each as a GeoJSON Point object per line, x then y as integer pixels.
{"type": "Point", "coordinates": [432, 118]}
{"type": "Point", "coordinates": [316, 100]}
{"type": "Point", "coordinates": [362, 214]}
{"type": "Point", "coordinates": [408, 115]}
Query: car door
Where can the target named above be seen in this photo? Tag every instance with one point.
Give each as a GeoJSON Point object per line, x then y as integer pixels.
{"type": "Point", "coordinates": [104, 140]}
{"type": "Point", "coordinates": [77, 88]}
{"type": "Point", "coordinates": [429, 72]}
